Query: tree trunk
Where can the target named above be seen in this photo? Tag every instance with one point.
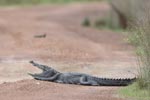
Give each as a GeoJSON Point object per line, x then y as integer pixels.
{"type": "Point", "coordinates": [122, 17]}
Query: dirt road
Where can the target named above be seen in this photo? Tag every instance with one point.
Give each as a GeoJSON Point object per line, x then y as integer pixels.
{"type": "Point", "coordinates": [68, 46]}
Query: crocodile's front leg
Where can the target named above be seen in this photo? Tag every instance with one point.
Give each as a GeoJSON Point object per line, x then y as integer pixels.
{"type": "Point", "coordinates": [53, 78]}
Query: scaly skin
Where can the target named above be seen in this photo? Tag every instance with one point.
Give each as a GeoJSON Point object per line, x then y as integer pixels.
{"type": "Point", "coordinates": [50, 74]}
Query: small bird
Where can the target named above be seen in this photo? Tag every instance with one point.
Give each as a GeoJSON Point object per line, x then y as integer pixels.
{"type": "Point", "coordinates": [40, 36]}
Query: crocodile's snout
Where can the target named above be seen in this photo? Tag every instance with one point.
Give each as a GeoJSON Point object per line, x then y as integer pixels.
{"type": "Point", "coordinates": [31, 61]}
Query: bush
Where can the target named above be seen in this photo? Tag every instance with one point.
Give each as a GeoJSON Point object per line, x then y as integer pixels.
{"type": "Point", "coordinates": [106, 23]}
{"type": "Point", "coordinates": [86, 22]}
{"type": "Point", "coordinates": [141, 36]}
{"type": "Point", "coordinates": [141, 39]}
{"type": "Point", "coordinates": [22, 2]}
{"type": "Point", "coordinates": [137, 14]}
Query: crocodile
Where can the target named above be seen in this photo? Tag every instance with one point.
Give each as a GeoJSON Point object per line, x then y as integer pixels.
{"type": "Point", "coordinates": [52, 75]}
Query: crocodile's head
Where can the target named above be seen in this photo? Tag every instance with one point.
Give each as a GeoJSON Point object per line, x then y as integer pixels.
{"type": "Point", "coordinates": [47, 71]}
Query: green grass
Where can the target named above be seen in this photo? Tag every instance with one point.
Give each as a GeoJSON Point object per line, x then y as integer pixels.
{"type": "Point", "coordinates": [102, 24]}
{"type": "Point", "coordinates": [134, 93]}
{"type": "Point", "coordinates": [107, 26]}
{"type": "Point", "coordinates": [31, 2]}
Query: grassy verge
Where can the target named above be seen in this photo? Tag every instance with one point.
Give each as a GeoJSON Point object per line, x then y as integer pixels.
{"type": "Point", "coordinates": [33, 2]}
{"type": "Point", "coordinates": [133, 92]}
{"type": "Point", "coordinates": [102, 24]}
{"type": "Point", "coordinates": [136, 12]}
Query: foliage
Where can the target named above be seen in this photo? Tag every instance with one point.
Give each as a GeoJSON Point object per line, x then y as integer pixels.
{"type": "Point", "coordinates": [106, 23]}
{"type": "Point", "coordinates": [86, 22]}
{"type": "Point", "coordinates": [134, 92]}
{"type": "Point", "coordinates": [22, 2]}
{"type": "Point", "coordinates": [138, 17]}
{"type": "Point", "coordinates": [141, 39]}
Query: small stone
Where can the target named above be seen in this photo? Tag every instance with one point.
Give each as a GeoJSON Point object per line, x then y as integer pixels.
{"type": "Point", "coordinates": [38, 83]}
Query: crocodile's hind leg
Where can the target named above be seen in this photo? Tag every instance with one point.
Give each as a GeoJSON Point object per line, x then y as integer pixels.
{"type": "Point", "coordinates": [85, 81]}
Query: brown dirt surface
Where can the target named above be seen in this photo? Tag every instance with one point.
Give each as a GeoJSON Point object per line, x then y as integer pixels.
{"type": "Point", "coordinates": [68, 46]}
{"type": "Point", "coordinates": [35, 90]}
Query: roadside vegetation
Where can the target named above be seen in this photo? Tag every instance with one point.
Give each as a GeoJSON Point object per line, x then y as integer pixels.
{"type": "Point", "coordinates": [33, 2]}
{"type": "Point", "coordinates": [134, 15]}
{"type": "Point", "coordinates": [86, 22]}
{"type": "Point", "coordinates": [102, 24]}
{"type": "Point", "coordinates": [110, 22]}
{"type": "Point", "coordinates": [134, 92]}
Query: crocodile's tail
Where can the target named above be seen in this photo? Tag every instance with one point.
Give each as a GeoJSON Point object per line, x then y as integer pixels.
{"type": "Point", "coordinates": [114, 82]}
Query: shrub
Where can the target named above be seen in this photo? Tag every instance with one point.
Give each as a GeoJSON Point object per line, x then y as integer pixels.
{"type": "Point", "coordinates": [141, 36]}
{"type": "Point", "coordinates": [22, 2]}
{"type": "Point", "coordinates": [106, 23]}
{"type": "Point", "coordinates": [137, 14]}
{"type": "Point", "coordinates": [86, 22]}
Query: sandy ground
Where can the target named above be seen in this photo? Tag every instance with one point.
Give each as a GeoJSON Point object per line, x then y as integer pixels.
{"type": "Point", "coordinates": [35, 90]}
{"type": "Point", "coordinates": [68, 46]}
